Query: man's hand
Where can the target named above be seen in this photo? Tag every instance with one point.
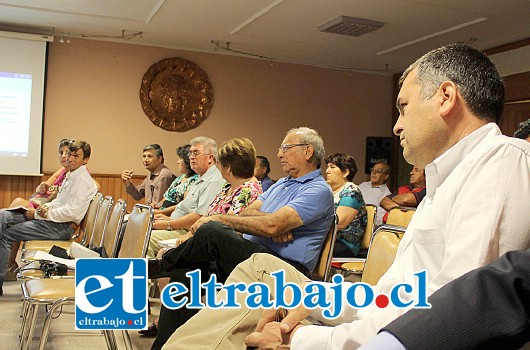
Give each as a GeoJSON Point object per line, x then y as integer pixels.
{"type": "Point", "coordinates": [201, 222]}
{"type": "Point", "coordinates": [283, 238]}
{"type": "Point", "coordinates": [126, 176]}
{"type": "Point", "coordinates": [30, 214]}
{"type": "Point", "coordinates": [42, 210]}
{"type": "Point", "coordinates": [271, 338]}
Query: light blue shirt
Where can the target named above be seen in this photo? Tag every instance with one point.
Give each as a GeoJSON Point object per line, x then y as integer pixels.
{"type": "Point", "coordinates": [312, 199]}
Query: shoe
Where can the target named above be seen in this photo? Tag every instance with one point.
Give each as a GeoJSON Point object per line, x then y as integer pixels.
{"type": "Point", "coordinates": [151, 331]}
{"type": "Point", "coordinates": [155, 269]}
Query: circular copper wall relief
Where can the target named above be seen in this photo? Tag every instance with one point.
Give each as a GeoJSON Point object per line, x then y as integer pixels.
{"type": "Point", "coordinates": [176, 94]}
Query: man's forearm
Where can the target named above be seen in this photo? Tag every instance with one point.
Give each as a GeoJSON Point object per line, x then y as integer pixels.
{"type": "Point", "coordinates": [256, 225]}
{"type": "Point", "coordinates": [185, 222]}
{"type": "Point", "coordinates": [387, 203]}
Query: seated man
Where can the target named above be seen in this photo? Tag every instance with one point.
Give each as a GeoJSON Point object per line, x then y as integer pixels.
{"type": "Point", "coordinates": [203, 157]}
{"type": "Point", "coordinates": [158, 181]}
{"type": "Point", "coordinates": [445, 128]}
{"type": "Point", "coordinates": [487, 308]}
{"type": "Point", "coordinates": [285, 221]}
{"type": "Point", "coordinates": [55, 220]}
{"type": "Point", "coordinates": [261, 172]}
{"type": "Point", "coordinates": [407, 196]}
{"type": "Point", "coordinates": [376, 189]}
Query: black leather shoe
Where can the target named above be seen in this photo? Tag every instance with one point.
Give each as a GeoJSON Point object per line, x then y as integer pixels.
{"type": "Point", "coordinates": [151, 331]}
{"type": "Point", "coordinates": [155, 270]}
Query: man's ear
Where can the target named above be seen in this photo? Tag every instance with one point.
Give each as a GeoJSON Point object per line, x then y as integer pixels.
{"type": "Point", "coordinates": [448, 97]}
{"type": "Point", "coordinates": [309, 152]}
{"type": "Point", "coordinates": [85, 160]}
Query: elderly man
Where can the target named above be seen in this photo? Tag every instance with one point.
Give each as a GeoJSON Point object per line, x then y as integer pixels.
{"type": "Point", "coordinates": [158, 181]}
{"type": "Point", "coordinates": [409, 195]}
{"type": "Point", "coordinates": [445, 126]}
{"type": "Point", "coordinates": [376, 189]}
{"type": "Point", "coordinates": [261, 172]}
{"type": "Point", "coordinates": [203, 159]}
{"type": "Point", "coordinates": [56, 220]}
{"type": "Point", "coordinates": [290, 220]}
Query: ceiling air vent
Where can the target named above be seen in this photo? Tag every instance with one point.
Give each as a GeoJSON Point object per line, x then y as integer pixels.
{"type": "Point", "coordinates": [350, 26]}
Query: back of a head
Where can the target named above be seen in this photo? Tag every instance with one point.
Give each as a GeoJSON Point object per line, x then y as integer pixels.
{"type": "Point", "coordinates": [471, 70]}
{"type": "Point", "coordinates": [311, 137]}
{"type": "Point", "coordinates": [209, 145]}
{"type": "Point", "coordinates": [523, 130]}
{"type": "Point", "coordinates": [240, 155]}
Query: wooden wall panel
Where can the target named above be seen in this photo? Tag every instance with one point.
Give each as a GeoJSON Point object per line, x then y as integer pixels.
{"type": "Point", "coordinates": [12, 186]}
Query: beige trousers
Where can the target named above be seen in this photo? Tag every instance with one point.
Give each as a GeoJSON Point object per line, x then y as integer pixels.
{"type": "Point", "coordinates": [160, 235]}
{"type": "Point", "coordinates": [227, 328]}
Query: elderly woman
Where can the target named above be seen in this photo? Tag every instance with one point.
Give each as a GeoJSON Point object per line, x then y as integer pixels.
{"type": "Point", "coordinates": [179, 187]}
{"type": "Point", "coordinates": [237, 158]}
{"type": "Point", "coordinates": [349, 204]}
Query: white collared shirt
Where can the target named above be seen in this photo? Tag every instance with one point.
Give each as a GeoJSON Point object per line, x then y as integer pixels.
{"type": "Point", "coordinates": [73, 198]}
{"type": "Point", "coordinates": [476, 209]}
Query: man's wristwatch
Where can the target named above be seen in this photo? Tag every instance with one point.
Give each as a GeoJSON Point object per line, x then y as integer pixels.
{"type": "Point", "coordinates": [168, 227]}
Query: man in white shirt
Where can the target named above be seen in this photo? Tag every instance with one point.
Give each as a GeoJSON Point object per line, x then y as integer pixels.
{"type": "Point", "coordinates": [376, 189]}
{"type": "Point", "coordinates": [56, 220]}
{"type": "Point", "coordinates": [476, 207]}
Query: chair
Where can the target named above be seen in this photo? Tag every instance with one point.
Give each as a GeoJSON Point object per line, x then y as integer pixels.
{"type": "Point", "coordinates": [357, 266]}
{"type": "Point", "coordinates": [400, 216]}
{"type": "Point", "coordinates": [113, 228]}
{"type": "Point", "coordinates": [57, 292]}
{"type": "Point", "coordinates": [323, 266]}
{"type": "Point", "coordinates": [381, 255]}
{"type": "Point", "coordinates": [101, 221]}
{"type": "Point", "coordinates": [86, 230]}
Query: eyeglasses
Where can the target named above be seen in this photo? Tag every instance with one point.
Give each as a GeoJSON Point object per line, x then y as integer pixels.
{"type": "Point", "coordinates": [377, 171]}
{"type": "Point", "coordinates": [287, 146]}
{"type": "Point", "coordinates": [195, 154]}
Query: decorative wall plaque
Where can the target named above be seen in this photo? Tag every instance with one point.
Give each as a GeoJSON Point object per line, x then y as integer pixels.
{"type": "Point", "coordinates": [176, 94]}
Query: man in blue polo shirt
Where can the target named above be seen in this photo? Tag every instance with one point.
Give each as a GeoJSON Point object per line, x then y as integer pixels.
{"type": "Point", "coordinates": [290, 220]}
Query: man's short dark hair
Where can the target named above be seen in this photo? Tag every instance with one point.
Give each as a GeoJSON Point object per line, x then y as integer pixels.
{"type": "Point", "coordinates": [523, 130]}
{"type": "Point", "coordinates": [81, 145]}
{"type": "Point", "coordinates": [265, 162]}
{"type": "Point", "coordinates": [155, 147]}
{"type": "Point", "coordinates": [471, 70]}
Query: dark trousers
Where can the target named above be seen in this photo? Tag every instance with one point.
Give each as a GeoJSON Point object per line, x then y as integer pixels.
{"type": "Point", "coordinates": [215, 248]}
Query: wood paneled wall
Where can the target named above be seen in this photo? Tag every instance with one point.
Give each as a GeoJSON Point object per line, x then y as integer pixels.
{"type": "Point", "coordinates": [13, 186]}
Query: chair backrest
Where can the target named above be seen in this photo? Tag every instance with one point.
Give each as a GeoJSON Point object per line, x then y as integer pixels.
{"type": "Point", "coordinates": [137, 233]}
{"type": "Point", "coordinates": [400, 216]}
{"type": "Point", "coordinates": [111, 235]}
{"type": "Point", "coordinates": [371, 211]}
{"type": "Point", "coordinates": [101, 222]}
{"type": "Point", "coordinates": [322, 269]}
{"type": "Point", "coordinates": [381, 253]}
{"type": "Point", "coordinates": [87, 225]}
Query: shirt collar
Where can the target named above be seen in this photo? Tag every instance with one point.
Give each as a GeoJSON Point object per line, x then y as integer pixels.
{"type": "Point", "coordinates": [441, 167]}
{"type": "Point", "coordinates": [157, 170]}
{"type": "Point", "coordinates": [209, 173]}
{"type": "Point", "coordinates": [307, 177]}
{"type": "Point", "coordinates": [76, 172]}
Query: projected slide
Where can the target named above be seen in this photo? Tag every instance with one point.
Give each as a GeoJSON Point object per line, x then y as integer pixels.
{"type": "Point", "coordinates": [15, 102]}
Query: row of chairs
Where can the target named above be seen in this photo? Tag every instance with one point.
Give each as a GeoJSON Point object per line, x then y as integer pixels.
{"type": "Point", "coordinates": [103, 228]}
{"type": "Point", "coordinates": [379, 248]}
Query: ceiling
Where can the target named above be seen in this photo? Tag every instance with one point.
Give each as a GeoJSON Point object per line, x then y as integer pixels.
{"type": "Point", "coordinates": [280, 30]}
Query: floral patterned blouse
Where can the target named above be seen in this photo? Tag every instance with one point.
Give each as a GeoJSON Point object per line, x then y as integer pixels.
{"type": "Point", "coordinates": [238, 200]}
{"type": "Point", "coordinates": [176, 191]}
{"type": "Point", "coordinates": [350, 196]}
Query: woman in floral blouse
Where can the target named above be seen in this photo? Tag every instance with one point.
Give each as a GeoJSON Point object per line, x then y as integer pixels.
{"type": "Point", "coordinates": [179, 187]}
{"type": "Point", "coordinates": [237, 158]}
{"type": "Point", "coordinates": [349, 204]}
